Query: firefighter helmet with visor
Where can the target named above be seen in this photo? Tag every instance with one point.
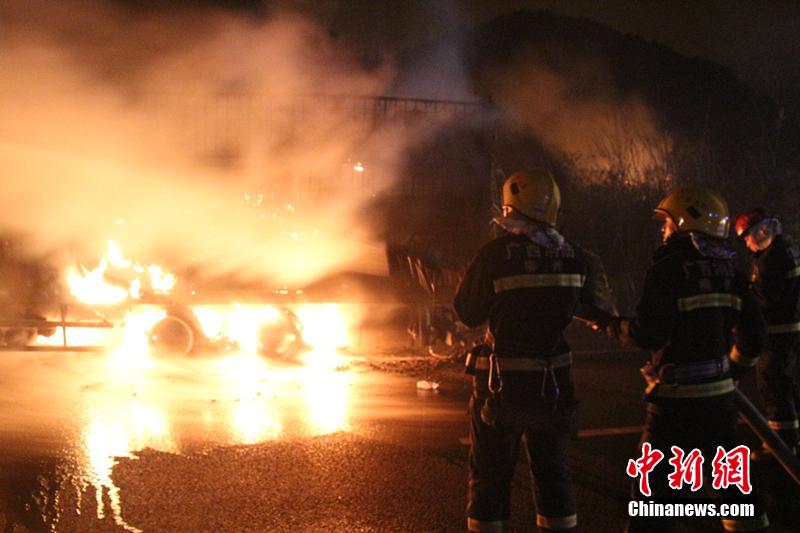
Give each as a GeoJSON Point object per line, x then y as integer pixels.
{"type": "Point", "coordinates": [696, 209]}
{"type": "Point", "coordinates": [534, 194]}
{"type": "Point", "coordinates": [746, 221]}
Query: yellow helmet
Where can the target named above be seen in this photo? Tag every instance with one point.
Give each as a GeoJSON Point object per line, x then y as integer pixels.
{"type": "Point", "coordinates": [535, 194]}
{"type": "Point", "coordinates": [696, 209]}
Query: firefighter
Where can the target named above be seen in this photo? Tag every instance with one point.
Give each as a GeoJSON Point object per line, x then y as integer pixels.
{"type": "Point", "coordinates": [775, 282]}
{"type": "Point", "coordinates": [704, 329]}
{"type": "Point", "coordinates": [527, 284]}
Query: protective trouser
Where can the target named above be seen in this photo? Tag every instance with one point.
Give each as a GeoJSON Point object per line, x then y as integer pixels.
{"type": "Point", "coordinates": [492, 461]}
{"type": "Point", "coordinates": [703, 424]}
{"type": "Point", "coordinates": [778, 383]}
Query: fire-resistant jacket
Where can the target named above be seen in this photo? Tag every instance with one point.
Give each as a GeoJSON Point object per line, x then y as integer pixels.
{"type": "Point", "coordinates": [775, 280]}
{"type": "Point", "coordinates": [528, 293]}
{"type": "Point", "coordinates": [694, 307]}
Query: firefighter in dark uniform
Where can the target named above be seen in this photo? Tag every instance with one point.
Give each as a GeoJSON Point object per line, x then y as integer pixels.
{"type": "Point", "coordinates": [527, 284]}
{"type": "Point", "coordinates": [704, 329]}
{"type": "Point", "coordinates": [775, 282]}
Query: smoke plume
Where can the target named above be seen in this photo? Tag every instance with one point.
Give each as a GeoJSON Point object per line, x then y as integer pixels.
{"type": "Point", "coordinates": [193, 137]}
{"type": "Point", "coordinates": [574, 106]}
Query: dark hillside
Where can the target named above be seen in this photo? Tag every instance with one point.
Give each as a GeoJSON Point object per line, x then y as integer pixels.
{"type": "Point", "coordinates": [619, 119]}
{"type": "Point", "coordinates": [696, 101]}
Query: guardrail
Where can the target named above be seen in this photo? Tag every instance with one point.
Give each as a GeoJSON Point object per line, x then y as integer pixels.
{"type": "Point", "coordinates": [63, 323]}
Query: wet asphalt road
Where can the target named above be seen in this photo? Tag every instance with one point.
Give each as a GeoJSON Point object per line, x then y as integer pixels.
{"type": "Point", "coordinates": [92, 443]}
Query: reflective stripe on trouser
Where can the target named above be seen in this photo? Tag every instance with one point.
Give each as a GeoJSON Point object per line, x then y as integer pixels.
{"type": "Point", "coordinates": [694, 390]}
{"type": "Point", "coordinates": [556, 522]}
{"type": "Point", "coordinates": [713, 299]}
{"type": "Point", "coordinates": [787, 430]}
{"type": "Point", "coordinates": [525, 364]}
{"type": "Point", "coordinates": [492, 460]}
{"type": "Point", "coordinates": [538, 281]}
{"type": "Point", "coordinates": [780, 392]}
{"type": "Point", "coordinates": [793, 273]}
{"type": "Point", "coordinates": [487, 526]}
{"type": "Point", "coordinates": [746, 524]}
{"type": "Point", "coordinates": [784, 328]}
{"type": "Point", "coordinates": [784, 424]}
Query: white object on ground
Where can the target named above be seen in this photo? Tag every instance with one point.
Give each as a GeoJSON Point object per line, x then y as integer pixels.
{"type": "Point", "coordinates": [424, 384]}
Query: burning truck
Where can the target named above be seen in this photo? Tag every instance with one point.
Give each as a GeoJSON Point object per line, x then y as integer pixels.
{"type": "Point", "coordinates": [120, 302]}
{"type": "Point", "coordinates": [191, 270]}
{"type": "Point", "coordinates": [125, 303]}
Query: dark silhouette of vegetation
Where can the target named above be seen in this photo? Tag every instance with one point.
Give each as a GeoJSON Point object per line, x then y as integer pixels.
{"type": "Point", "coordinates": [695, 122]}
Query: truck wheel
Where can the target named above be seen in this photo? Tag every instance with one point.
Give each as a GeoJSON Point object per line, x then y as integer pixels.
{"type": "Point", "coordinates": [282, 338]}
{"type": "Point", "coordinates": [172, 336]}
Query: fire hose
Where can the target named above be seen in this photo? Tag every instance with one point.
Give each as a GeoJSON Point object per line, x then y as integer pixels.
{"type": "Point", "coordinates": [751, 415]}
{"type": "Point", "coordinates": [768, 436]}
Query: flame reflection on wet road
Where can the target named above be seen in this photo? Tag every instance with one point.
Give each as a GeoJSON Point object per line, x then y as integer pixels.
{"type": "Point", "coordinates": [88, 409]}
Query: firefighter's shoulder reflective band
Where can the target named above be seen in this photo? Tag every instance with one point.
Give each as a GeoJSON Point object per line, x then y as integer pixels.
{"type": "Point", "coordinates": [694, 390]}
{"type": "Point", "coordinates": [747, 524]}
{"type": "Point", "coordinates": [793, 273]}
{"type": "Point", "coordinates": [557, 522]}
{"type": "Point", "coordinates": [490, 526]}
{"type": "Point", "coordinates": [784, 328]}
{"type": "Point", "coordinates": [713, 299]}
{"type": "Point", "coordinates": [526, 364]}
{"type": "Point", "coordinates": [784, 424]}
{"type": "Point", "coordinates": [737, 357]}
{"type": "Point", "coordinates": [527, 281]}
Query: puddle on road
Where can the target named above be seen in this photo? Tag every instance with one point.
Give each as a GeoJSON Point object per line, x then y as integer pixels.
{"type": "Point", "coordinates": [83, 411]}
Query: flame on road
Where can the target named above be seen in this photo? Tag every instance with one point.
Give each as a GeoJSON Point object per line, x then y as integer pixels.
{"type": "Point", "coordinates": [237, 323]}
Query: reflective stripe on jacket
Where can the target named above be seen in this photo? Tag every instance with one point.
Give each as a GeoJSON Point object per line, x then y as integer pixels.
{"type": "Point", "coordinates": [694, 308]}
{"type": "Point", "coordinates": [527, 292]}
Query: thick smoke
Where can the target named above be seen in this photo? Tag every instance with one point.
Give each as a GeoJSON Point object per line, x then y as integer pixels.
{"type": "Point", "coordinates": [192, 137]}
{"type": "Point", "coordinates": [578, 111]}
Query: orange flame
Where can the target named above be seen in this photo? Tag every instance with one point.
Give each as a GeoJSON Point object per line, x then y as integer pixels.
{"type": "Point", "coordinates": [322, 329]}
{"type": "Point", "coordinates": [92, 287]}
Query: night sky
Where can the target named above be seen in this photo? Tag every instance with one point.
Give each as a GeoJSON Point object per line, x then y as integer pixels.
{"type": "Point", "coordinates": [759, 41]}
